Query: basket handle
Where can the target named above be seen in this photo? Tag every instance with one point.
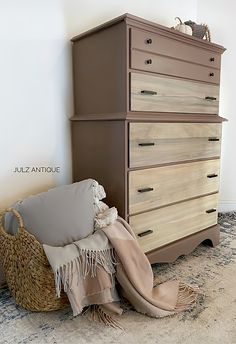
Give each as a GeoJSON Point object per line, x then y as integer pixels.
{"type": "Point", "coordinates": [17, 215]}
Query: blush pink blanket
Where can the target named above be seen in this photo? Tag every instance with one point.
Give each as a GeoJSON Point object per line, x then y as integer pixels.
{"type": "Point", "coordinates": [89, 270]}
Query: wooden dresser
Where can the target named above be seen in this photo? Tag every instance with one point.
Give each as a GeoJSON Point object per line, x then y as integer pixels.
{"type": "Point", "coordinates": [146, 126]}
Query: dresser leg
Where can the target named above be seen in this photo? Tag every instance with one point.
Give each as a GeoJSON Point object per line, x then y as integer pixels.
{"type": "Point", "coordinates": [171, 252]}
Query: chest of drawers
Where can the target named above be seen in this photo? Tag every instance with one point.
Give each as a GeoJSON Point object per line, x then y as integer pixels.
{"type": "Point", "coordinates": [147, 127]}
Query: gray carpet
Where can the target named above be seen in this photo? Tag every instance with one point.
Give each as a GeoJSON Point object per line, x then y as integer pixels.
{"type": "Point", "coordinates": [213, 320]}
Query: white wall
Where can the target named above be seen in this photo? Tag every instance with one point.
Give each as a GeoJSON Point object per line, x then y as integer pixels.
{"type": "Point", "coordinates": [36, 96]}
{"type": "Point", "coordinates": [84, 14]}
{"type": "Point", "coordinates": [220, 16]}
{"type": "Point", "coordinates": [36, 81]}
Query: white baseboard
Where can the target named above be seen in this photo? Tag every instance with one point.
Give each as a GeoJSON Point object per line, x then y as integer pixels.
{"type": "Point", "coordinates": [227, 206]}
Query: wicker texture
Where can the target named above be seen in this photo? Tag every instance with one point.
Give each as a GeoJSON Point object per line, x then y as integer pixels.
{"type": "Point", "coordinates": [27, 270]}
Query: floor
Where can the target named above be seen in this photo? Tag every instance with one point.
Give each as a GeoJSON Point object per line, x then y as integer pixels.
{"type": "Point", "coordinates": [213, 320]}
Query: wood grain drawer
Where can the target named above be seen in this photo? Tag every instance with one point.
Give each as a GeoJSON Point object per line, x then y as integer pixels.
{"type": "Point", "coordinates": [168, 94]}
{"type": "Point", "coordinates": [158, 44]}
{"type": "Point", "coordinates": [158, 143]}
{"type": "Point", "coordinates": [164, 65]}
{"type": "Point", "coordinates": [156, 187]}
{"type": "Point", "coordinates": [159, 227]}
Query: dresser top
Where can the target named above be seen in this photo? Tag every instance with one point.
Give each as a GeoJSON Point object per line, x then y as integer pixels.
{"type": "Point", "coordinates": [141, 23]}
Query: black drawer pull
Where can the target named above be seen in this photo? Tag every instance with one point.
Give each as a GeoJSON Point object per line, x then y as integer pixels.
{"type": "Point", "coordinates": [149, 41]}
{"type": "Point", "coordinates": [149, 61]}
{"type": "Point", "coordinates": [146, 144]}
{"type": "Point", "coordinates": [212, 175]}
{"type": "Point", "coordinates": [210, 211]}
{"type": "Point", "coordinates": [145, 190]}
{"type": "Point", "coordinates": [145, 233]}
{"type": "Point", "coordinates": [212, 59]}
{"type": "Point", "coordinates": [213, 139]}
{"type": "Point", "coordinates": [211, 74]}
{"type": "Point", "coordinates": [152, 93]}
{"type": "Point", "coordinates": [210, 98]}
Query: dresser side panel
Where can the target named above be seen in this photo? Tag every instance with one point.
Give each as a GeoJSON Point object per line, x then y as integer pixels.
{"type": "Point", "coordinates": [99, 67]}
{"type": "Point", "coordinates": [99, 152]}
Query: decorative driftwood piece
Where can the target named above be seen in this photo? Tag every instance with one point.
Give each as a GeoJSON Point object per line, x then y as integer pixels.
{"type": "Point", "coordinates": [199, 30]}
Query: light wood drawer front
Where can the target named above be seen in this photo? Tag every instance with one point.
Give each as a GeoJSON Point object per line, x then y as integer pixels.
{"type": "Point", "coordinates": [169, 94]}
{"type": "Point", "coordinates": [156, 187]}
{"type": "Point", "coordinates": [160, 227]}
{"type": "Point", "coordinates": [169, 66]}
{"type": "Point", "coordinates": [158, 143]}
{"type": "Point", "coordinates": [158, 44]}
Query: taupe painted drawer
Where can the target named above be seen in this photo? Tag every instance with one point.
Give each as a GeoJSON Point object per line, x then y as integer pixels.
{"type": "Point", "coordinates": [157, 228]}
{"type": "Point", "coordinates": [155, 187]}
{"type": "Point", "coordinates": [161, 64]}
{"type": "Point", "coordinates": [158, 44]}
{"type": "Point", "coordinates": [169, 94]}
{"type": "Point", "coordinates": [158, 143]}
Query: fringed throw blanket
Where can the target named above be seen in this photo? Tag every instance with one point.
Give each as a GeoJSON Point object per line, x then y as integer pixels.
{"type": "Point", "coordinates": [90, 268]}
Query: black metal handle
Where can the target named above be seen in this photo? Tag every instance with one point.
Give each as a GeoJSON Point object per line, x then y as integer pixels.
{"type": "Point", "coordinates": [211, 74]}
{"type": "Point", "coordinates": [149, 231]}
{"type": "Point", "coordinates": [149, 61]}
{"type": "Point", "coordinates": [210, 98]}
{"type": "Point", "coordinates": [212, 175]}
{"type": "Point", "coordinates": [210, 210]}
{"type": "Point", "coordinates": [149, 41]}
{"type": "Point", "coordinates": [152, 93]}
{"type": "Point", "coordinates": [144, 144]}
{"type": "Point", "coordinates": [212, 59]}
{"type": "Point", "coordinates": [213, 139]}
{"type": "Point", "coordinates": [145, 190]}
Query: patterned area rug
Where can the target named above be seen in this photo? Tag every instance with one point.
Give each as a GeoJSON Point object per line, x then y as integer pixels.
{"type": "Point", "coordinates": [213, 320]}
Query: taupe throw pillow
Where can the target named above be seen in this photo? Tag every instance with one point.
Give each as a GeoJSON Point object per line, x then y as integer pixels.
{"type": "Point", "coordinates": [61, 215]}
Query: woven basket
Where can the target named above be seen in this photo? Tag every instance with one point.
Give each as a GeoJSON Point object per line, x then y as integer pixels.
{"type": "Point", "coordinates": [27, 270]}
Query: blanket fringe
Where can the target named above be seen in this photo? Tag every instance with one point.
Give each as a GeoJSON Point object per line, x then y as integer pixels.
{"type": "Point", "coordinates": [187, 296]}
{"type": "Point", "coordinates": [98, 195]}
{"type": "Point", "coordinates": [105, 218]}
{"type": "Point", "coordinates": [86, 264]}
{"type": "Point", "coordinates": [99, 314]}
